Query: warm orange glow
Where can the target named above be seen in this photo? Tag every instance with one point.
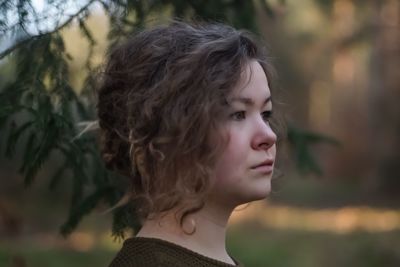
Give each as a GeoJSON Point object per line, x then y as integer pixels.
{"type": "Point", "coordinates": [343, 68]}
{"type": "Point", "coordinates": [81, 241]}
{"type": "Point", "coordinates": [341, 220]}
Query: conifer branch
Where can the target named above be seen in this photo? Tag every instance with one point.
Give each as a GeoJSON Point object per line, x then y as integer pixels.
{"type": "Point", "coordinates": [68, 21]}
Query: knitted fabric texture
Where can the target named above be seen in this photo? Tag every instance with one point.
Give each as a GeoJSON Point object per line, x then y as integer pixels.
{"type": "Point", "coordinates": [153, 252]}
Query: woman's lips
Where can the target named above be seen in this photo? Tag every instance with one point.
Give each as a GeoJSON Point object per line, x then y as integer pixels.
{"type": "Point", "coordinates": [264, 167]}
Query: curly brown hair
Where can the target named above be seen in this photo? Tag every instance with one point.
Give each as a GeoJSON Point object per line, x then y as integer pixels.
{"type": "Point", "coordinates": [162, 94]}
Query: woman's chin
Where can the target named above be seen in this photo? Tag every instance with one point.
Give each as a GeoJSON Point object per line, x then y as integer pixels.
{"type": "Point", "coordinates": [258, 193]}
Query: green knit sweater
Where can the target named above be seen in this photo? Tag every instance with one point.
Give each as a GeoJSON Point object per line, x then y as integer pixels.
{"type": "Point", "coordinates": [153, 252]}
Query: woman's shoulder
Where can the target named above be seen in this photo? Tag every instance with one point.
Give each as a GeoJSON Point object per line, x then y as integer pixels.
{"type": "Point", "coordinates": [135, 252]}
{"type": "Point", "coordinates": [154, 252]}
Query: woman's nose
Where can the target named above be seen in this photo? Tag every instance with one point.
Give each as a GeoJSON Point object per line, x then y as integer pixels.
{"type": "Point", "coordinates": [264, 137]}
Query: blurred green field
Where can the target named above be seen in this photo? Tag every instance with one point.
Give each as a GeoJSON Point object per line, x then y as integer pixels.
{"type": "Point", "coordinates": [35, 257]}
{"type": "Point", "coordinates": [317, 232]}
{"type": "Point", "coordinates": [257, 248]}
{"type": "Point", "coordinates": [252, 245]}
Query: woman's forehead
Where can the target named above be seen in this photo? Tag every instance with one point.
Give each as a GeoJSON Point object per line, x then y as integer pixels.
{"type": "Point", "coordinates": [252, 85]}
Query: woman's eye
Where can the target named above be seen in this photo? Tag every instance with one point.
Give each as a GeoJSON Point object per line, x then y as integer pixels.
{"type": "Point", "coordinates": [237, 116]}
{"type": "Point", "coordinates": [267, 115]}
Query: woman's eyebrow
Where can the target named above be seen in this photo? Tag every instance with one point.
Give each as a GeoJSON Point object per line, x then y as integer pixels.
{"type": "Point", "coordinates": [247, 100]}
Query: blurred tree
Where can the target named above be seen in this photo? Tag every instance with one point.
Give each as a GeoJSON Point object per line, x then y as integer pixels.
{"type": "Point", "coordinates": [385, 94]}
{"type": "Point", "coordinates": [42, 105]}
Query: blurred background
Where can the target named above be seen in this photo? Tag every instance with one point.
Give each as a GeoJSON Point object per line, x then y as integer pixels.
{"type": "Point", "coordinates": [336, 195]}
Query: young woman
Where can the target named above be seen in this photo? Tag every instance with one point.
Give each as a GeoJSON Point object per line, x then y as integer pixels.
{"type": "Point", "coordinates": [185, 112]}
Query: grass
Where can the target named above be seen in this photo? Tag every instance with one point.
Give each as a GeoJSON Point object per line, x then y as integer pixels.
{"type": "Point", "coordinates": [250, 244]}
{"type": "Point", "coordinates": [34, 257]}
{"type": "Point", "coordinates": [253, 244]}
{"type": "Point", "coordinates": [260, 248]}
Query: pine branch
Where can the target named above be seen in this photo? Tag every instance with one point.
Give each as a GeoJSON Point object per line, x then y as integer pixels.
{"type": "Point", "coordinates": [14, 137]}
{"type": "Point", "coordinates": [58, 175]}
{"type": "Point", "coordinates": [27, 40]}
{"type": "Point", "coordinates": [301, 142]}
{"type": "Point", "coordinates": [42, 153]}
{"type": "Point", "coordinates": [84, 208]}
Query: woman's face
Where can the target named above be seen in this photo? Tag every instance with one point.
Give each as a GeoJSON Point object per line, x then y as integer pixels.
{"type": "Point", "coordinates": [244, 169]}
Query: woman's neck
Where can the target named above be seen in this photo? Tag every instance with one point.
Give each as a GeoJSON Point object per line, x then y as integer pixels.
{"type": "Point", "coordinates": [209, 225]}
